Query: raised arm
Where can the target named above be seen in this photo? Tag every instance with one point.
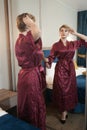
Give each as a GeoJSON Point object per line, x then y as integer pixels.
{"type": "Point", "coordinates": [32, 26]}
{"type": "Point", "coordinates": [82, 36]}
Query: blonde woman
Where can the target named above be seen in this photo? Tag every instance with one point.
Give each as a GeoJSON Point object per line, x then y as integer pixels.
{"type": "Point", "coordinates": [28, 50]}
{"type": "Point", "coordinates": [64, 86]}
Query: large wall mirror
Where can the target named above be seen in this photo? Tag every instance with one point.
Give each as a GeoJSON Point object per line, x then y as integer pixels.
{"type": "Point", "coordinates": [86, 97]}
{"type": "Point", "coordinates": [50, 15]}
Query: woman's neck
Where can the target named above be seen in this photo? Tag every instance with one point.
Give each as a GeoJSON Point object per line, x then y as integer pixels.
{"type": "Point", "coordinates": [64, 41]}
{"type": "Point", "coordinates": [25, 32]}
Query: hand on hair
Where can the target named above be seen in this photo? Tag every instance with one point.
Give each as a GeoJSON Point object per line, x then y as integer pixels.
{"type": "Point", "coordinates": [32, 26]}
{"type": "Point", "coordinates": [28, 21]}
{"type": "Point", "coordinates": [72, 31]}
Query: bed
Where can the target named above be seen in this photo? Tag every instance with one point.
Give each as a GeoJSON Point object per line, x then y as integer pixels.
{"type": "Point", "coordinates": [9, 122]}
{"type": "Point", "coordinates": [81, 83]}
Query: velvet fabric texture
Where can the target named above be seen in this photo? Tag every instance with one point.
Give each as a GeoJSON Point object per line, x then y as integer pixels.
{"type": "Point", "coordinates": [8, 122]}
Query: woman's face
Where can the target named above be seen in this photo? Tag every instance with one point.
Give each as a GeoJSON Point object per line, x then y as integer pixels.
{"type": "Point", "coordinates": [64, 32]}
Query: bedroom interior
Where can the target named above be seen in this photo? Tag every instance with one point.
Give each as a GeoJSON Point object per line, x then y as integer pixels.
{"type": "Point", "coordinates": [75, 15]}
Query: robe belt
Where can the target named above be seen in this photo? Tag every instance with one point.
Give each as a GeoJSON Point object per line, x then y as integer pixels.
{"type": "Point", "coordinates": [40, 68]}
{"type": "Point", "coordinates": [82, 55]}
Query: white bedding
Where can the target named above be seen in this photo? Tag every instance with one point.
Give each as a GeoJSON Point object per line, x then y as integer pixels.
{"type": "Point", "coordinates": [2, 112]}
{"type": "Point", "coordinates": [50, 74]}
{"type": "Point", "coordinates": [80, 70]}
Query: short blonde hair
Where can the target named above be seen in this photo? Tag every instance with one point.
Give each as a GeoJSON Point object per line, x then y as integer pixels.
{"type": "Point", "coordinates": [20, 24]}
{"type": "Point", "coordinates": [64, 26]}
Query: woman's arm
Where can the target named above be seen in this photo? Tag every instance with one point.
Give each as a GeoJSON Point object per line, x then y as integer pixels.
{"type": "Point", "coordinates": [84, 37]}
{"type": "Point", "coordinates": [81, 36]}
{"type": "Point", "coordinates": [32, 26]}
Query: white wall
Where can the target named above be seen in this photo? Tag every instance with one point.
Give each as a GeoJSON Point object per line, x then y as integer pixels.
{"type": "Point", "coordinates": [54, 14]}
{"type": "Point", "coordinates": [50, 15]}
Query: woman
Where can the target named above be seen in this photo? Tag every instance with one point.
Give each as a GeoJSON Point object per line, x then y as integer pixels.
{"type": "Point", "coordinates": [64, 86]}
{"type": "Point", "coordinates": [28, 49]}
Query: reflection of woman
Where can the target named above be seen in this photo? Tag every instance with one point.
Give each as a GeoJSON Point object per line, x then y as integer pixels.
{"type": "Point", "coordinates": [64, 86]}
{"type": "Point", "coordinates": [28, 49]}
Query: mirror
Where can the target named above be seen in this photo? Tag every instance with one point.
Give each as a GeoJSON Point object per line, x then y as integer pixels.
{"type": "Point", "coordinates": [49, 18]}
{"type": "Point", "coordinates": [86, 97]}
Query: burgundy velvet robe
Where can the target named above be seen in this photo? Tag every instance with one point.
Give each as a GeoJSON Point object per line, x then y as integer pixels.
{"type": "Point", "coordinates": [31, 104]}
{"type": "Point", "coordinates": [64, 86]}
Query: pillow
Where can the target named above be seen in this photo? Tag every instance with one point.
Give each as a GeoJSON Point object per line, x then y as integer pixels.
{"type": "Point", "coordinates": [80, 71]}
{"type": "Point", "coordinates": [84, 73]}
{"type": "Point", "coordinates": [50, 71]}
{"type": "Point", "coordinates": [49, 81]}
{"type": "Point", "coordinates": [75, 64]}
{"type": "Point", "coordinates": [50, 75]}
{"type": "Point", "coordinates": [2, 112]}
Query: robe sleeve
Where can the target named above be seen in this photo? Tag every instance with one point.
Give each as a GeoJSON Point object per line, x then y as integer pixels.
{"type": "Point", "coordinates": [28, 54]}
{"type": "Point", "coordinates": [39, 43]}
{"type": "Point", "coordinates": [79, 43]}
{"type": "Point", "coordinates": [53, 54]}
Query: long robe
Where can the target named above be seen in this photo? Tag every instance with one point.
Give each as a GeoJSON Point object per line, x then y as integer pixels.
{"type": "Point", "coordinates": [64, 86]}
{"type": "Point", "coordinates": [31, 105]}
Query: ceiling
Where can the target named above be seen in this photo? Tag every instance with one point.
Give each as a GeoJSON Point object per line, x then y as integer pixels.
{"type": "Point", "coordinates": [79, 5]}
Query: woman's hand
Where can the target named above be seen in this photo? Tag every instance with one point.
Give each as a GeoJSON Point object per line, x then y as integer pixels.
{"type": "Point", "coordinates": [45, 59]}
{"type": "Point", "coordinates": [72, 31]}
{"type": "Point", "coordinates": [81, 36]}
{"type": "Point", "coordinates": [28, 21]}
{"type": "Point", "coordinates": [47, 65]}
{"type": "Point", "coordinates": [32, 26]}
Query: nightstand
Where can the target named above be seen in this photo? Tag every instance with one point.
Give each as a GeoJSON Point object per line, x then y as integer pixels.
{"type": "Point", "coordinates": [8, 99]}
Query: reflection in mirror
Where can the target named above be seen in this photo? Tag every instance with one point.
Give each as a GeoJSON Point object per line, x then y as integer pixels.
{"type": "Point", "coordinates": [76, 117]}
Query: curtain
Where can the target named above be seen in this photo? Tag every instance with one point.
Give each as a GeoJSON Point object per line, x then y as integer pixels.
{"type": "Point", "coordinates": [82, 28]}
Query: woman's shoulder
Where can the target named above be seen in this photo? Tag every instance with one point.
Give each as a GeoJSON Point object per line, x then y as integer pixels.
{"type": "Point", "coordinates": [25, 39]}
{"type": "Point", "coordinates": [29, 32]}
{"type": "Point", "coordinates": [56, 43]}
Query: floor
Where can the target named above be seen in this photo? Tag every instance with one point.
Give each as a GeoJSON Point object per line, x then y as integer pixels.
{"type": "Point", "coordinates": [74, 121]}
